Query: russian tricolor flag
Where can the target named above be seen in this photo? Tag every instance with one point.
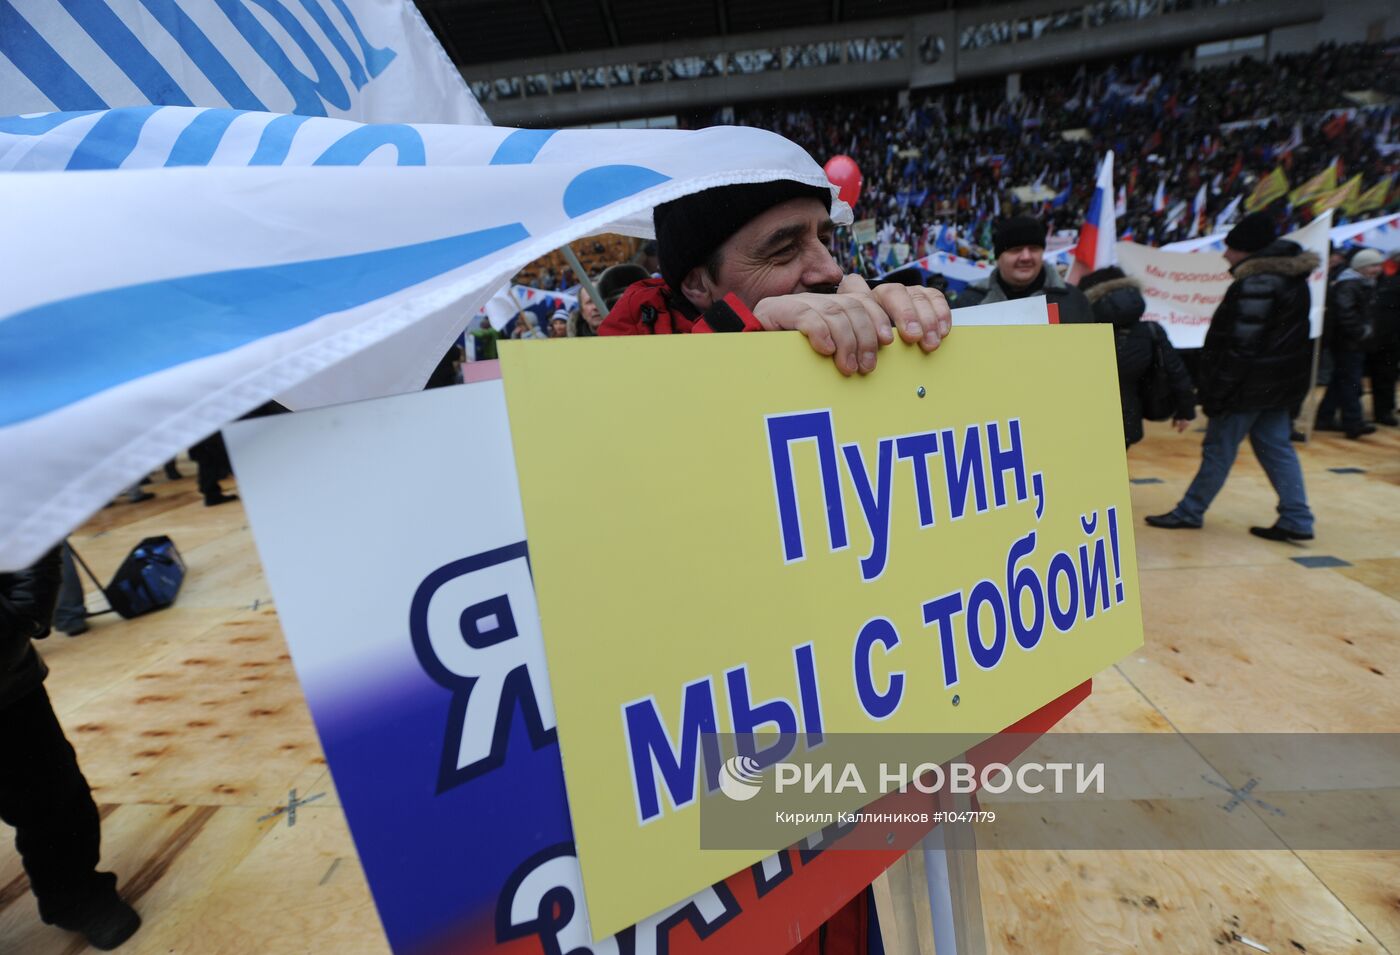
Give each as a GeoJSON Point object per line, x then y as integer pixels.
{"type": "Point", "coordinates": [1100, 229]}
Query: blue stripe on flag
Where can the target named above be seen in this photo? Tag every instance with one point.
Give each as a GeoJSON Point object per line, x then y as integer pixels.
{"type": "Point", "coordinates": [352, 62]}
{"type": "Point", "coordinates": [595, 188]}
{"type": "Point", "coordinates": [354, 147]}
{"type": "Point", "coordinates": [117, 41]}
{"type": "Point", "coordinates": [42, 65]}
{"type": "Point", "coordinates": [65, 351]}
{"type": "Point", "coordinates": [196, 143]}
{"type": "Point", "coordinates": [376, 58]}
{"type": "Point", "coordinates": [1095, 206]}
{"type": "Point", "coordinates": [521, 147]}
{"type": "Point", "coordinates": [276, 140]}
{"type": "Point", "coordinates": [307, 93]}
{"type": "Point", "coordinates": [38, 125]}
{"type": "Point", "coordinates": [111, 139]}
{"type": "Point", "coordinates": [204, 53]}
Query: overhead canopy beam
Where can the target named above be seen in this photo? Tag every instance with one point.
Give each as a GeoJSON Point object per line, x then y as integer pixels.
{"type": "Point", "coordinates": [553, 26]}
{"type": "Point", "coordinates": [605, 9]}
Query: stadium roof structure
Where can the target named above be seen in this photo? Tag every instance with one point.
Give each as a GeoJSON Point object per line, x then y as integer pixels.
{"type": "Point", "coordinates": [486, 31]}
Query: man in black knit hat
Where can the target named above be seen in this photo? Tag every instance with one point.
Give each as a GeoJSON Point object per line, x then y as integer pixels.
{"type": "Point", "coordinates": [1019, 243]}
{"type": "Point", "coordinates": [1256, 365]}
{"type": "Point", "coordinates": [756, 257]}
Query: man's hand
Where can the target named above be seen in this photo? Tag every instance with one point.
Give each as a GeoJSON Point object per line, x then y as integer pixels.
{"type": "Point", "coordinates": [853, 324]}
{"type": "Point", "coordinates": [921, 314]}
{"type": "Point", "coordinates": [1181, 424]}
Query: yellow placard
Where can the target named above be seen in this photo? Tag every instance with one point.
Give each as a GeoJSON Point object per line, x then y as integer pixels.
{"type": "Point", "coordinates": [708, 519]}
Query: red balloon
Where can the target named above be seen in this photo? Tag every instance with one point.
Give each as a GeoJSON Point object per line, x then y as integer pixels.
{"type": "Point", "coordinates": [845, 175]}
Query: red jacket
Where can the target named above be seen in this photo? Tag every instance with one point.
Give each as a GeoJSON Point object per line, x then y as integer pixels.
{"type": "Point", "coordinates": [650, 307]}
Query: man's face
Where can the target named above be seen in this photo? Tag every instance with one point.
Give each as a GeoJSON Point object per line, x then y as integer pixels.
{"type": "Point", "coordinates": [781, 252]}
{"type": "Point", "coordinates": [1019, 267]}
{"type": "Point", "coordinates": [1370, 271]}
{"type": "Point", "coordinates": [1235, 257]}
{"type": "Point", "coordinates": [589, 309]}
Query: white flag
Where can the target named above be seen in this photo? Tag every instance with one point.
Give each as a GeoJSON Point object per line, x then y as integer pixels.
{"type": "Point", "coordinates": [144, 307]}
{"type": "Point", "coordinates": [1228, 214]}
{"type": "Point", "coordinates": [367, 60]}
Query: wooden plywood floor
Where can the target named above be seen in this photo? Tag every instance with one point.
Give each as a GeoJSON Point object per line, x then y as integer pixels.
{"type": "Point", "coordinates": [191, 728]}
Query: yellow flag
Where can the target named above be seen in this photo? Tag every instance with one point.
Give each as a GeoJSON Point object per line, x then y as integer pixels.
{"type": "Point", "coordinates": [1373, 198]}
{"type": "Point", "coordinates": [1321, 184]}
{"type": "Point", "coordinates": [1337, 197]}
{"type": "Point", "coordinates": [1271, 187]}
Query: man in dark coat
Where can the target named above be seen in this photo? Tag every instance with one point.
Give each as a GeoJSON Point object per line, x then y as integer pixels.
{"type": "Point", "coordinates": [1349, 334]}
{"type": "Point", "coordinates": [1019, 243]}
{"type": "Point", "coordinates": [43, 794]}
{"type": "Point", "coordinates": [1117, 301]}
{"type": "Point", "coordinates": [1383, 363]}
{"type": "Point", "coordinates": [1256, 362]}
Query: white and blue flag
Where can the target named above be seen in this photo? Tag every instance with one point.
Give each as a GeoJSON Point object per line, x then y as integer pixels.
{"type": "Point", "coordinates": [165, 270]}
{"type": "Point", "coordinates": [367, 60]}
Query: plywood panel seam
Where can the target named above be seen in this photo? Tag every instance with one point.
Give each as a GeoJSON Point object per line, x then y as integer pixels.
{"type": "Point", "coordinates": [1340, 901]}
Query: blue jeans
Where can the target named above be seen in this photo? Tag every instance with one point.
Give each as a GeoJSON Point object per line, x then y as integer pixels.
{"type": "Point", "coordinates": [1268, 435]}
{"type": "Point", "coordinates": [1344, 391]}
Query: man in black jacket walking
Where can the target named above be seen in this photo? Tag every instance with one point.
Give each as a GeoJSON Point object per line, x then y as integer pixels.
{"type": "Point", "coordinates": [1255, 364]}
{"type": "Point", "coordinates": [43, 794]}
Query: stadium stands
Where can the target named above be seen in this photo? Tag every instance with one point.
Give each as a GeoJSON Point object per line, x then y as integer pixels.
{"type": "Point", "coordinates": [958, 156]}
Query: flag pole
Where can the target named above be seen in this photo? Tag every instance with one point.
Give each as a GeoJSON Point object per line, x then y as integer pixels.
{"type": "Point", "coordinates": [1310, 406]}
{"type": "Point", "coordinates": [515, 300]}
{"type": "Point", "coordinates": [587, 283]}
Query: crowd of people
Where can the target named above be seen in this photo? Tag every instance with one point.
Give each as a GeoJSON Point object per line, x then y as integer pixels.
{"type": "Point", "coordinates": [957, 156]}
{"type": "Point", "coordinates": [756, 257]}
